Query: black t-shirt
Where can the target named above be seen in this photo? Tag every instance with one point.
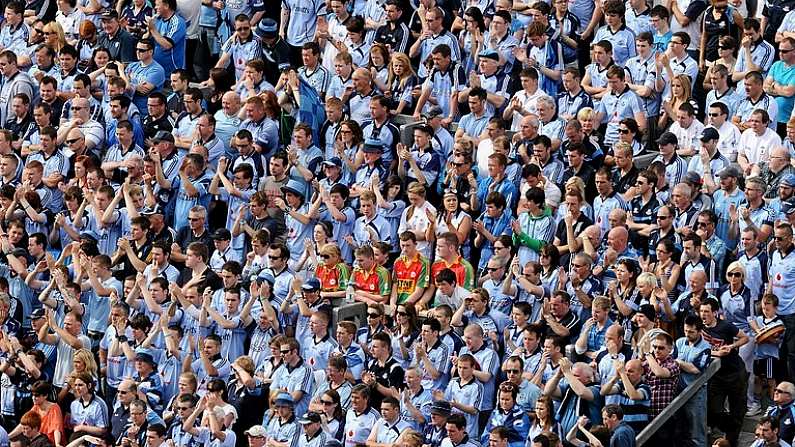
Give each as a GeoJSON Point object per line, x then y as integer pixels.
{"type": "Point", "coordinates": [389, 375]}
{"type": "Point", "coordinates": [211, 280]}
{"type": "Point", "coordinates": [580, 224]}
{"type": "Point", "coordinates": [722, 334]}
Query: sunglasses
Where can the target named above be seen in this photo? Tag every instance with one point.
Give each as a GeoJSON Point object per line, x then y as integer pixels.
{"type": "Point", "coordinates": [512, 371]}
{"type": "Point", "coordinates": [325, 256]}
{"type": "Point", "coordinates": [274, 257]}
{"type": "Point", "coordinates": [142, 50]}
{"type": "Point", "coordinates": [623, 131]}
{"type": "Point", "coordinates": [492, 269]}
{"type": "Point", "coordinates": [373, 315]}
{"type": "Point", "coordinates": [734, 274]}
{"type": "Point", "coordinates": [714, 115]}
{"type": "Point", "coordinates": [402, 313]}
{"type": "Point", "coordinates": [663, 217]}
{"type": "Point", "coordinates": [327, 402]}
{"type": "Point", "coordinates": [243, 28]}
{"type": "Point", "coordinates": [183, 408]}
{"type": "Point", "coordinates": [284, 351]}
{"type": "Point", "coordinates": [72, 141]}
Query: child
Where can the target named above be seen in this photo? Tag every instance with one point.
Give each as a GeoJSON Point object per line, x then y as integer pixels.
{"type": "Point", "coordinates": [768, 367]}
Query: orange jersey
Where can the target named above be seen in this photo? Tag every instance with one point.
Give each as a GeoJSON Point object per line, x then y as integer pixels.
{"type": "Point", "coordinates": [464, 273]}
{"type": "Point", "coordinates": [408, 274]}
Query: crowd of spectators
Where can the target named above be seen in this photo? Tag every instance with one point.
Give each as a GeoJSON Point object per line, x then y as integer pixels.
{"type": "Point", "coordinates": [556, 216]}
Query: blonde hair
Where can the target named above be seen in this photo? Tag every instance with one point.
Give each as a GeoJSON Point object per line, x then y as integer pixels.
{"type": "Point", "coordinates": [585, 113]}
{"type": "Point", "coordinates": [58, 30]}
{"type": "Point", "coordinates": [577, 184]}
{"type": "Point", "coordinates": [647, 279]}
{"type": "Point", "coordinates": [85, 356]}
{"type": "Point", "coordinates": [408, 71]}
{"type": "Point", "coordinates": [687, 91]}
{"type": "Point", "coordinates": [735, 266]}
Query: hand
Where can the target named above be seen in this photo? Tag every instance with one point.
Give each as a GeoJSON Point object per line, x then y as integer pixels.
{"type": "Point", "coordinates": [582, 421]}
{"type": "Point", "coordinates": [565, 365]}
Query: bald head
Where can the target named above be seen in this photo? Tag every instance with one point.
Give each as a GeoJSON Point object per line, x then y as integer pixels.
{"type": "Point", "coordinates": [75, 134]}
{"type": "Point", "coordinates": [618, 237]}
{"type": "Point", "coordinates": [230, 102]}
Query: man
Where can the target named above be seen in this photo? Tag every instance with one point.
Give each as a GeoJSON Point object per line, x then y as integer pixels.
{"type": "Point", "coordinates": [293, 375]}
{"type": "Point", "coordinates": [20, 122]}
{"type": "Point", "coordinates": [185, 124]}
{"type": "Point", "coordinates": [755, 98]}
{"type": "Point", "coordinates": [370, 280]}
{"type": "Point", "coordinates": [756, 141]}
{"type": "Point", "coordinates": [100, 285]}
{"type": "Point", "coordinates": [119, 42]}
{"type": "Point", "coordinates": [545, 55]}
{"type": "Point", "coordinates": [298, 24]}
{"type": "Point", "coordinates": [495, 83]}
{"type": "Point", "coordinates": [489, 363]}
{"type": "Point", "coordinates": [394, 33]}
{"type": "Point", "coordinates": [579, 394]}
{"type": "Point", "coordinates": [275, 50]}
{"type": "Point", "coordinates": [437, 89]}
{"type": "Point", "coordinates": [383, 374]}
{"type": "Point", "coordinates": [360, 418]}
{"type": "Point", "coordinates": [780, 82]}
{"type": "Point", "coordinates": [68, 339]}
{"type": "Point", "coordinates": [262, 129]}
{"type": "Point", "coordinates": [449, 257]}
{"type": "Point", "coordinates": [381, 128]}
{"type": "Point", "coordinates": [781, 284]}
{"type": "Point", "coordinates": [710, 161]}
{"type": "Point", "coordinates": [312, 433]}
{"type": "Point", "coordinates": [14, 81]}
{"type": "Point", "coordinates": [607, 200]}
{"type": "Point", "coordinates": [196, 268]}
{"type": "Point", "coordinates": [729, 383]}
{"type": "Point", "coordinates": [592, 336]}
{"type": "Point", "coordinates": [387, 429]}
{"type": "Point", "coordinates": [767, 433]}
{"type": "Point", "coordinates": [431, 357]}
{"type": "Point", "coordinates": [679, 61]}
{"type": "Point", "coordinates": [756, 54]}
{"type": "Point", "coordinates": [729, 134]}
{"type": "Point", "coordinates": [195, 231]}
{"type": "Point", "coordinates": [146, 76]}
{"type": "Point", "coordinates": [15, 33]}
{"type": "Point", "coordinates": [721, 92]}
{"type": "Point", "coordinates": [411, 272]}
{"type": "Point", "coordinates": [575, 154]}
{"type": "Point", "coordinates": [775, 174]}
{"type": "Point", "coordinates": [168, 30]}
{"type": "Point", "coordinates": [458, 433]}
{"type": "Point", "coordinates": [573, 224]}
{"type": "Point", "coordinates": [433, 35]}
{"type": "Point", "coordinates": [227, 121]}
{"type": "Point", "coordinates": [783, 412]}
{"type": "Point", "coordinates": [573, 98]}
{"type": "Point", "coordinates": [312, 71]}
{"type": "Point", "coordinates": [693, 357]}
{"type": "Point", "coordinates": [755, 212]}
{"type": "Point", "coordinates": [241, 47]}
{"type": "Point", "coordinates": [621, 434]}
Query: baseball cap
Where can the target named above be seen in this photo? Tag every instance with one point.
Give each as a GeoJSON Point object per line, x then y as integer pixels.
{"type": "Point", "coordinates": [333, 161]}
{"type": "Point", "coordinates": [441, 407]}
{"type": "Point", "coordinates": [294, 186]}
{"type": "Point", "coordinates": [788, 180]}
{"type": "Point", "coordinates": [89, 234]}
{"type": "Point", "coordinates": [285, 399]}
{"type": "Point", "coordinates": [266, 275]}
{"type": "Point", "coordinates": [692, 177]}
{"type": "Point", "coordinates": [788, 206]}
{"type": "Point", "coordinates": [37, 313]}
{"type": "Point", "coordinates": [667, 138]}
{"type": "Point", "coordinates": [108, 14]}
{"type": "Point", "coordinates": [489, 54]}
{"type": "Point", "coordinates": [311, 285]}
{"type": "Point", "coordinates": [256, 431]}
{"type": "Point", "coordinates": [309, 418]}
{"type": "Point", "coordinates": [151, 210]}
{"type": "Point", "coordinates": [372, 145]}
{"type": "Point", "coordinates": [221, 234]}
{"type": "Point", "coordinates": [267, 28]}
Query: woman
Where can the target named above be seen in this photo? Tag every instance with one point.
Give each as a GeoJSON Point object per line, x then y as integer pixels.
{"type": "Point", "coordinates": [50, 413]}
{"type": "Point", "coordinates": [514, 333]}
{"type": "Point", "coordinates": [217, 400]}
{"type": "Point", "coordinates": [664, 268]}
{"type": "Point", "coordinates": [27, 206]}
{"type": "Point", "coordinates": [680, 94]}
{"type": "Point", "coordinates": [375, 324]}
{"type": "Point", "coordinates": [586, 117]}
{"type": "Point", "coordinates": [332, 272]}
{"type": "Point", "coordinates": [727, 47]}
{"type": "Point", "coordinates": [629, 133]}
{"type": "Point", "coordinates": [332, 416]}
{"type": "Point", "coordinates": [738, 308]}
{"type": "Point", "coordinates": [357, 45]}
{"type": "Point", "coordinates": [719, 20]}
{"type": "Point", "coordinates": [544, 418]}
{"type": "Point", "coordinates": [86, 45]}
{"type": "Point", "coordinates": [390, 203]}
{"type": "Point", "coordinates": [549, 260]}
{"type": "Point", "coordinates": [623, 293]}
{"type": "Point", "coordinates": [508, 414]}
{"type": "Point", "coordinates": [379, 66]}
{"type": "Point", "coordinates": [70, 18]}
{"type": "Point", "coordinates": [419, 218]}
{"type": "Point", "coordinates": [89, 415]}
{"type": "Point", "coordinates": [348, 148]}
{"type": "Point", "coordinates": [22, 370]}
{"type": "Point", "coordinates": [576, 185]}
{"type": "Point", "coordinates": [650, 292]}
{"type": "Point", "coordinates": [322, 235]}
{"type": "Point", "coordinates": [245, 395]}
{"type": "Point", "coordinates": [400, 84]}
{"type": "Point", "coordinates": [82, 165]}
{"type": "Point", "coordinates": [82, 362]}
{"type": "Point", "coordinates": [455, 219]}
{"type": "Point", "coordinates": [265, 372]}
{"type": "Point", "coordinates": [405, 333]}
{"type": "Point", "coordinates": [220, 82]}
{"type": "Point", "coordinates": [54, 36]}
{"type": "Point", "coordinates": [470, 39]}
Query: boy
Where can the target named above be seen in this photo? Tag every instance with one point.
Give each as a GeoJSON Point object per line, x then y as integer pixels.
{"type": "Point", "coordinates": [768, 367]}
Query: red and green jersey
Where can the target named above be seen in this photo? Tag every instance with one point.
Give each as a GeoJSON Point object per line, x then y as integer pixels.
{"type": "Point", "coordinates": [464, 274]}
{"type": "Point", "coordinates": [373, 281]}
{"type": "Point", "coordinates": [333, 279]}
{"type": "Point", "coordinates": [408, 274]}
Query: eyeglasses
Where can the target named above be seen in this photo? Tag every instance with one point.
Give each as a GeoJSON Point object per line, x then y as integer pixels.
{"type": "Point", "coordinates": [284, 351]}
{"type": "Point", "coordinates": [623, 131]}
{"type": "Point", "coordinates": [658, 347]}
{"type": "Point", "coordinates": [183, 408]}
{"type": "Point", "coordinates": [578, 266]}
{"type": "Point", "coordinates": [142, 50]}
{"type": "Point", "coordinates": [78, 108]}
{"type": "Point", "coordinates": [734, 275]}
{"type": "Point", "coordinates": [274, 257]}
{"type": "Point", "coordinates": [512, 371]}
{"type": "Point", "coordinates": [325, 256]}
{"type": "Point", "coordinates": [782, 391]}
{"type": "Point", "coordinates": [72, 141]}
{"type": "Point", "coordinates": [499, 248]}
{"type": "Point", "coordinates": [123, 391]}
{"type": "Point", "coordinates": [369, 315]}
{"type": "Point", "coordinates": [326, 402]}
{"type": "Point", "coordinates": [714, 115]}
{"type": "Point", "coordinates": [703, 224]}
{"type": "Point", "coordinates": [640, 183]}
{"type": "Point", "coordinates": [492, 269]}
{"type": "Point", "coordinates": [194, 219]}
{"type": "Point", "coordinates": [243, 28]}
{"type": "Point", "coordinates": [402, 313]}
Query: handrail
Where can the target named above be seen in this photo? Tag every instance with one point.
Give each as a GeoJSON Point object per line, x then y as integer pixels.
{"type": "Point", "coordinates": [678, 403]}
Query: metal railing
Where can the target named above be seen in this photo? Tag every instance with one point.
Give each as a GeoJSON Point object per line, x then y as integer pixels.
{"type": "Point", "coordinates": [678, 403]}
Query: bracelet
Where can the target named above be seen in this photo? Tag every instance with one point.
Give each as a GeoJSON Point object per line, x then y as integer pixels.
{"type": "Point", "coordinates": [121, 338]}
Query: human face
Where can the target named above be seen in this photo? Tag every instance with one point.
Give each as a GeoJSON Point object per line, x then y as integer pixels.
{"type": "Point", "coordinates": [560, 307]}
{"type": "Point", "coordinates": [716, 117]}
{"type": "Point", "coordinates": [756, 123]}
{"type": "Point", "coordinates": [684, 119]}
{"type": "Point", "coordinates": [143, 52]}
{"type": "Point", "coordinates": [766, 433]}
{"type": "Point", "coordinates": [662, 349]}
{"type": "Point", "coordinates": [575, 158]}
{"type": "Point", "coordinates": [408, 248]}
{"type": "Point", "coordinates": [475, 104]}
{"type": "Point", "coordinates": [358, 402]}
{"type": "Point", "coordinates": [706, 225]}
{"type": "Point", "coordinates": [677, 46]}
{"type": "Point", "coordinates": [155, 107]}
{"type": "Point", "coordinates": [12, 17]}
{"type": "Point", "coordinates": [276, 260]}
{"type": "Point", "coordinates": [81, 388]}
{"type": "Point", "coordinates": [616, 84]}
{"type": "Point", "coordinates": [782, 238]}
